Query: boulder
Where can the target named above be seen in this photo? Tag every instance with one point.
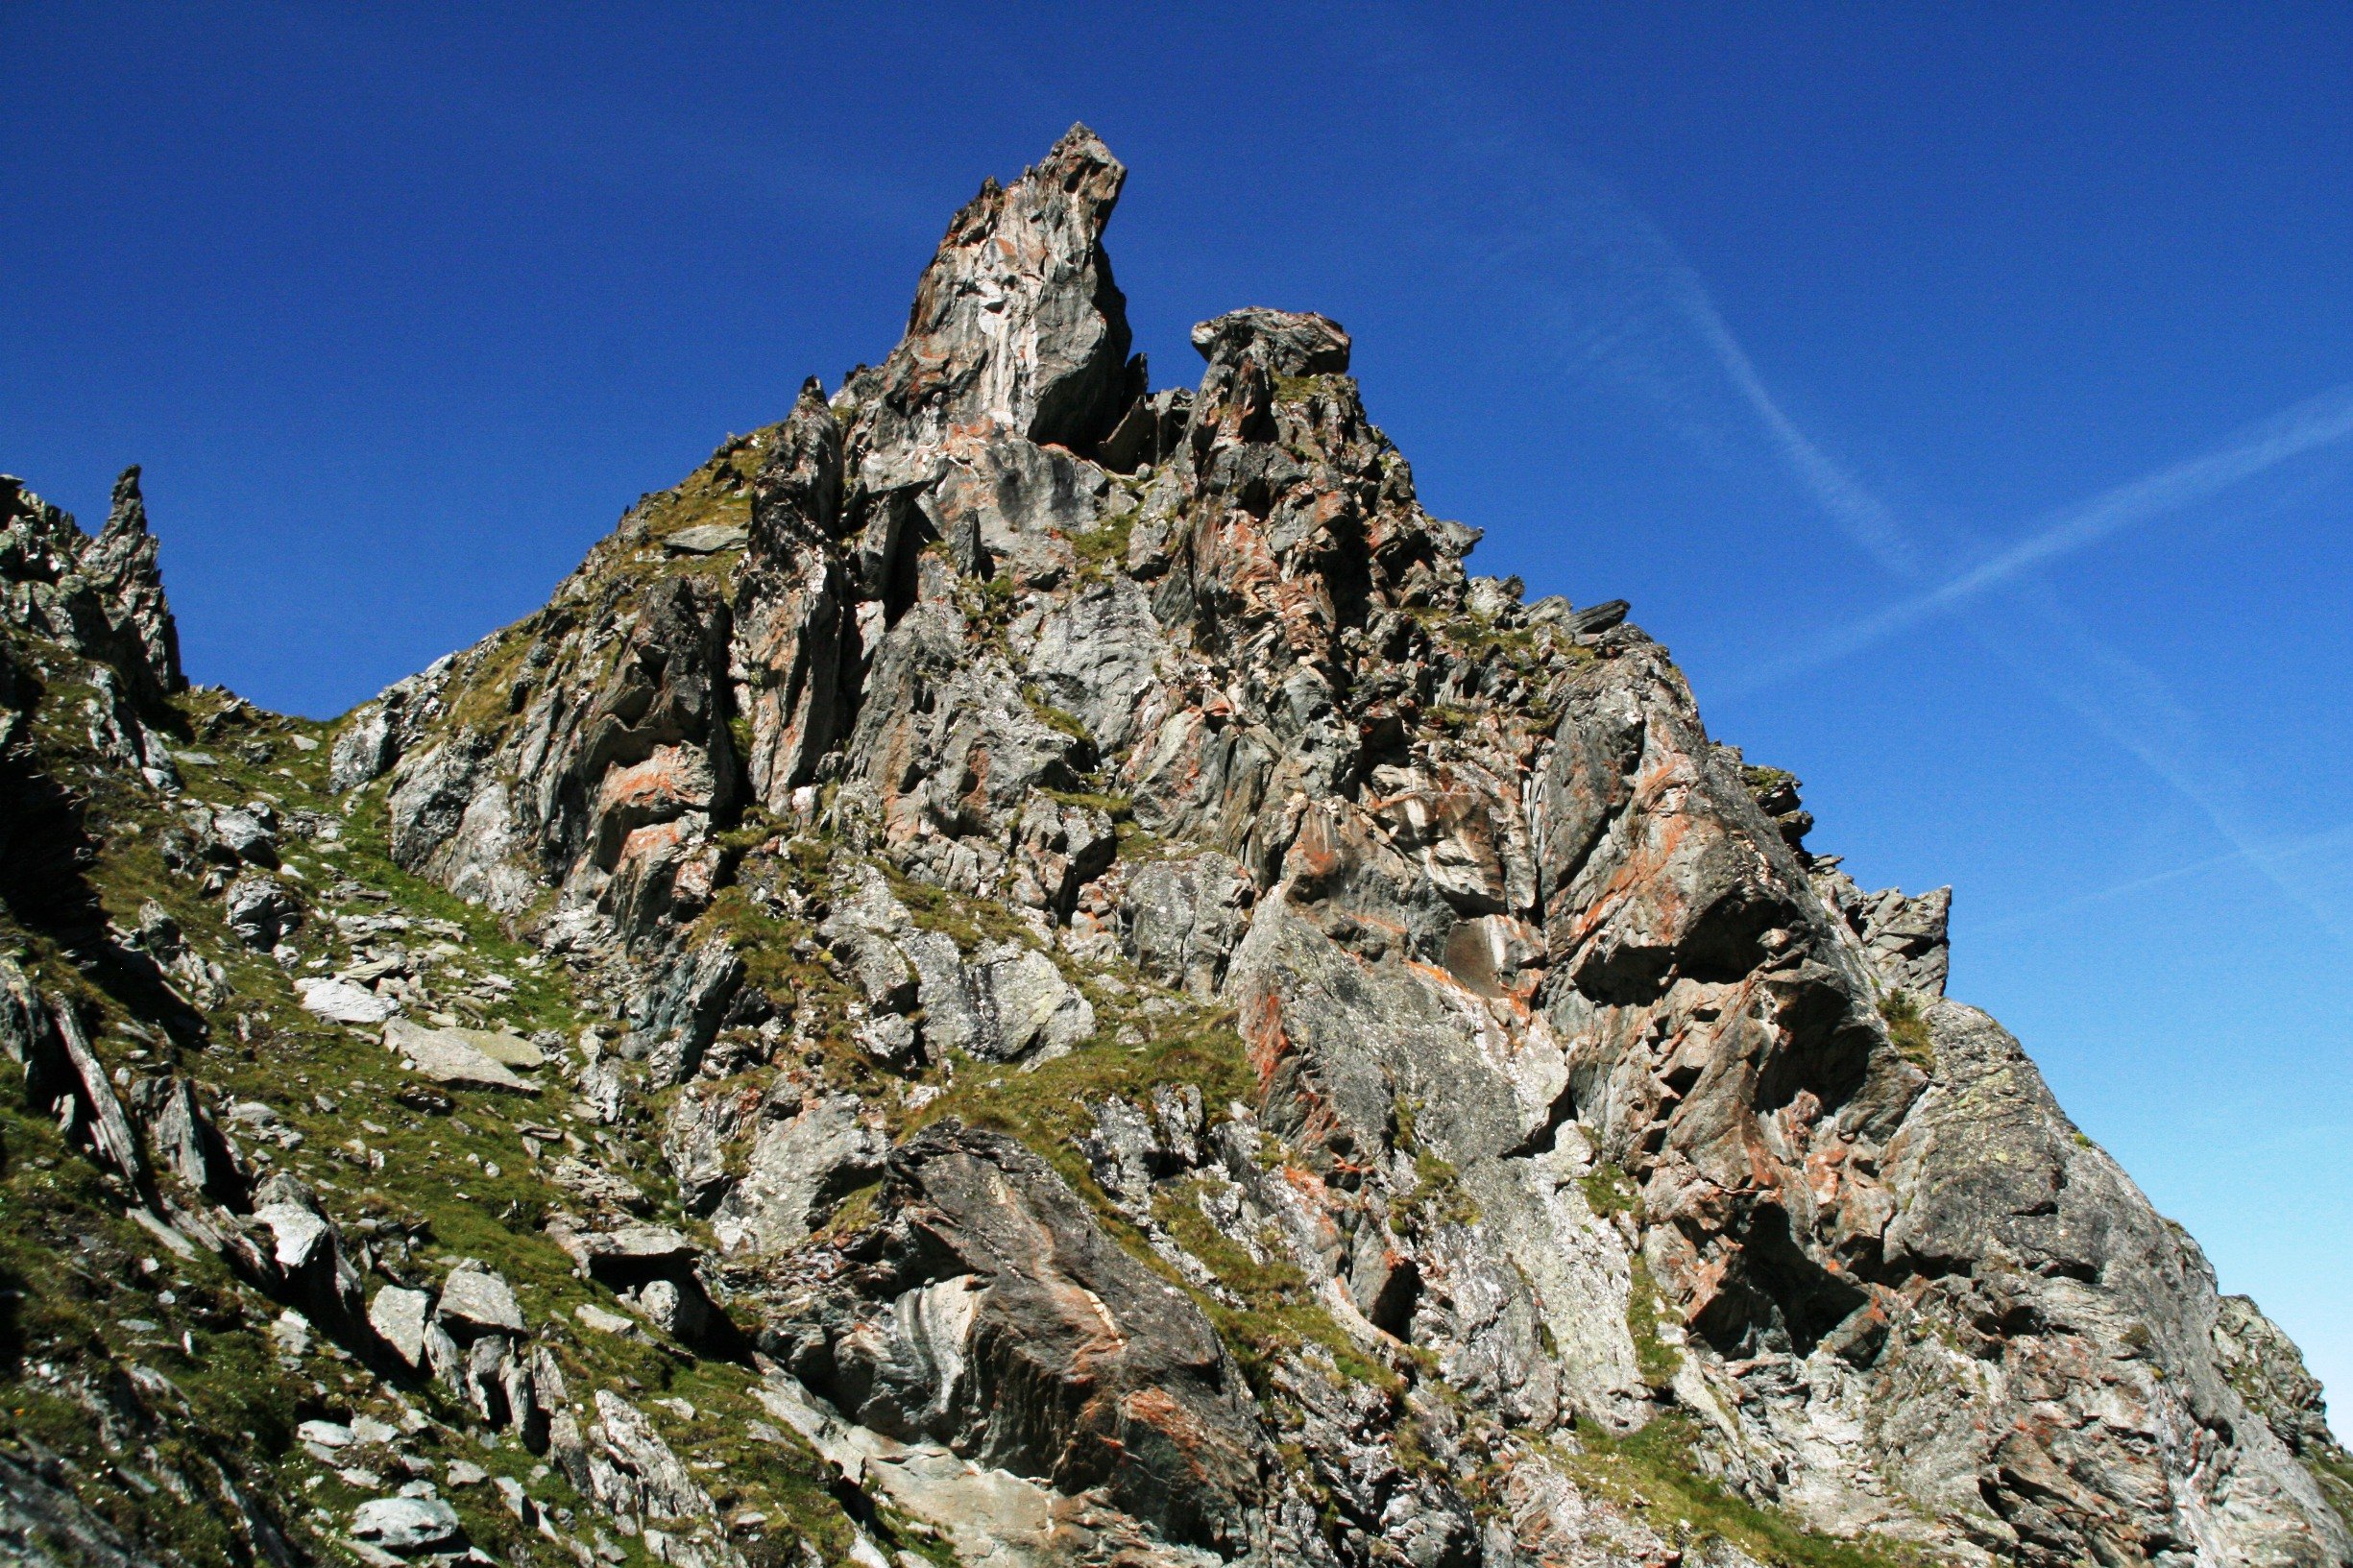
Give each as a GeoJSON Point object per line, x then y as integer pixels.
{"type": "Point", "coordinates": [245, 835]}
{"type": "Point", "coordinates": [801, 1165]}
{"type": "Point", "coordinates": [406, 1524]}
{"type": "Point", "coordinates": [342, 1002]}
{"type": "Point", "coordinates": [1124, 1152]}
{"type": "Point", "coordinates": [506, 1049]}
{"type": "Point", "coordinates": [709, 539]}
{"type": "Point", "coordinates": [1598, 617]}
{"type": "Point", "coordinates": [299, 1234]}
{"type": "Point", "coordinates": [594, 1184]}
{"type": "Point", "coordinates": [399, 1316]}
{"type": "Point", "coordinates": [1039, 1012]}
{"type": "Point", "coordinates": [363, 749]}
{"type": "Point", "coordinates": [632, 1250]}
{"type": "Point", "coordinates": [889, 1039]}
{"type": "Point", "coordinates": [447, 1056]}
{"type": "Point", "coordinates": [185, 1142]}
{"type": "Point", "coordinates": [477, 1300]}
{"type": "Point", "coordinates": [260, 911]}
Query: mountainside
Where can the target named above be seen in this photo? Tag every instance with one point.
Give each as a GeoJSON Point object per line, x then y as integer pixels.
{"type": "Point", "coordinates": [1027, 970]}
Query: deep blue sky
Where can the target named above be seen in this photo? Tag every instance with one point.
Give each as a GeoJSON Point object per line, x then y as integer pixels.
{"type": "Point", "coordinates": [1772, 320]}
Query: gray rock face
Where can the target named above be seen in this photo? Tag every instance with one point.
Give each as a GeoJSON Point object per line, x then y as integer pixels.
{"type": "Point", "coordinates": [946, 742]}
{"type": "Point", "coordinates": [1007, 1002]}
{"type": "Point", "coordinates": [1005, 504]}
{"type": "Point", "coordinates": [1148, 433]}
{"type": "Point", "coordinates": [2269, 1372]}
{"type": "Point", "coordinates": [1020, 1335]}
{"type": "Point", "coordinates": [1096, 658]}
{"type": "Point", "coordinates": [1059, 848]}
{"type": "Point", "coordinates": [2000, 1204]}
{"type": "Point", "coordinates": [1125, 1153]}
{"type": "Point", "coordinates": [608, 782]}
{"type": "Point", "coordinates": [702, 1121]}
{"type": "Point", "coordinates": [864, 933]}
{"type": "Point", "coordinates": [678, 1016]}
{"type": "Point", "coordinates": [797, 641]}
{"type": "Point", "coordinates": [102, 598]}
{"type": "Point", "coordinates": [377, 734]}
{"type": "Point", "coordinates": [959, 1013]}
{"type": "Point", "coordinates": [801, 1164]}
{"type": "Point", "coordinates": [1902, 938]}
{"type": "Point", "coordinates": [1183, 918]}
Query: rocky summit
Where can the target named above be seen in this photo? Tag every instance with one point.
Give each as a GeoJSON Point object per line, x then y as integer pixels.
{"type": "Point", "coordinates": [1027, 969]}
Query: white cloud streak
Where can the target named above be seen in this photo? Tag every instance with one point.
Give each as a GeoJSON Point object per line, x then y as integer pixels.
{"type": "Point", "coordinates": [2310, 427]}
{"type": "Point", "coordinates": [1860, 515]}
{"type": "Point", "coordinates": [2285, 856]}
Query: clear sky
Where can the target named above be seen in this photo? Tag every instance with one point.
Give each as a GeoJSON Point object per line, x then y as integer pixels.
{"type": "Point", "coordinates": [1965, 395]}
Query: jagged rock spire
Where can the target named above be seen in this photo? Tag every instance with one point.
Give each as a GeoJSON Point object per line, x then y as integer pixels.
{"type": "Point", "coordinates": [1017, 324]}
{"type": "Point", "coordinates": [124, 557]}
{"type": "Point", "coordinates": [126, 511]}
{"type": "Point", "coordinates": [102, 596]}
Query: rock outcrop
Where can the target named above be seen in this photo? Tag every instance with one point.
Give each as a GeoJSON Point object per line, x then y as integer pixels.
{"type": "Point", "coordinates": [1076, 957]}
{"type": "Point", "coordinates": [102, 598]}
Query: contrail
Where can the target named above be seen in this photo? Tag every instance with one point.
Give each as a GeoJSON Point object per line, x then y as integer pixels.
{"type": "Point", "coordinates": [2336, 838]}
{"type": "Point", "coordinates": [1645, 294]}
{"type": "Point", "coordinates": [2309, 426]}
{"type": "Point", "coordinates": [2126, 704]}
{"type": "Point", "coordinates": [1863, 517]}
{"type": "Point", "coordinates": [2319, 422]}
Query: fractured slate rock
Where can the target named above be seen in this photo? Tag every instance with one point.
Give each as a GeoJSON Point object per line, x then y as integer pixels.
{"type": "Point", "coordinates": [1080, 1365]}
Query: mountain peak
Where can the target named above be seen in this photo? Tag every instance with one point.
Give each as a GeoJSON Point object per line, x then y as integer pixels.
{"type": "Point", "coordinates": [1054, 940]}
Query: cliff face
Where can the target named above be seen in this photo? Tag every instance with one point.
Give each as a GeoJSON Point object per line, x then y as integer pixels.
{"type": "Point", "coordinates": [1109, 1002]}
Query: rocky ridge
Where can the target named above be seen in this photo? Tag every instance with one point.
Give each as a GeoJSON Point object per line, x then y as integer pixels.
{"type": "Point", "coordinates": [1022, 969]}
